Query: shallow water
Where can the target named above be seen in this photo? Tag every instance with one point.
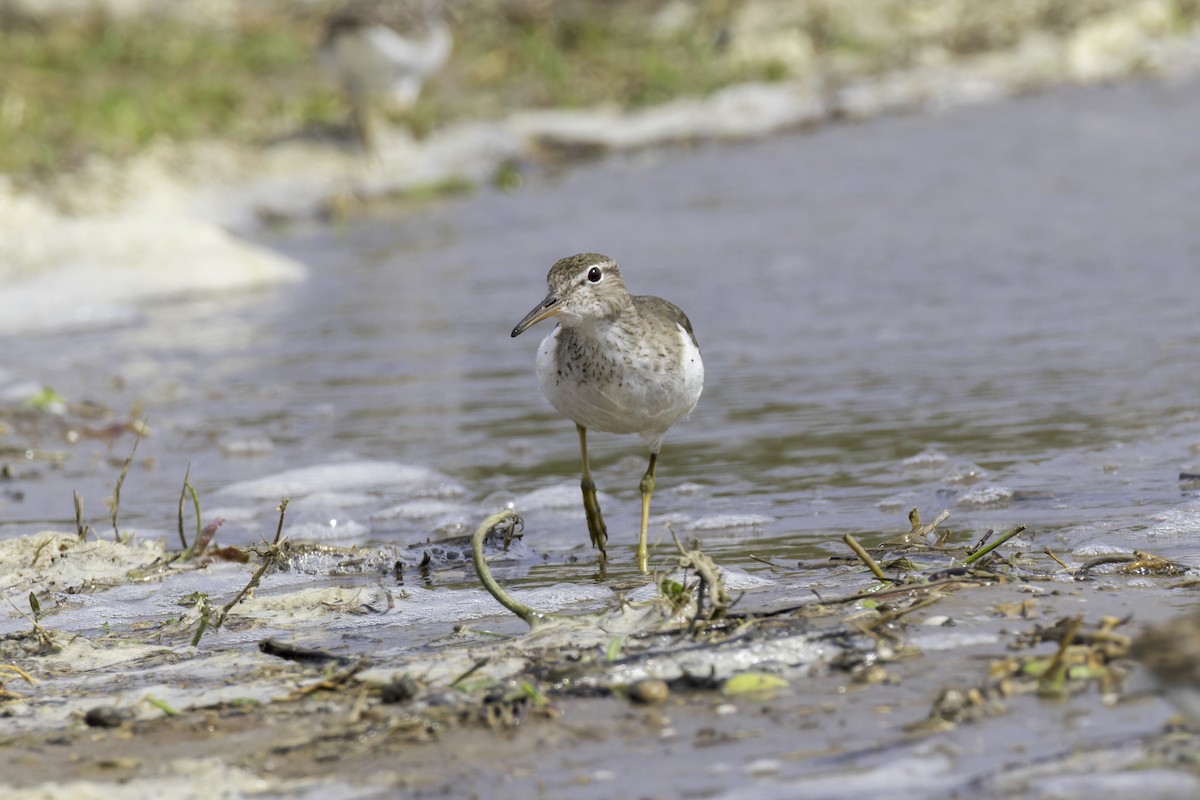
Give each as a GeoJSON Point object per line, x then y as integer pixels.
{"type": "Point", "coordinates": [991, 311]}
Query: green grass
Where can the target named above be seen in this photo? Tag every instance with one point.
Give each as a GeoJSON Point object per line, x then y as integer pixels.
{"type": "Point", "coordinates": [72, 87]}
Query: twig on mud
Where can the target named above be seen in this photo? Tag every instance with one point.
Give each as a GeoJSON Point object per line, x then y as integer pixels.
{"type": "Point", "coordinates": [1052, 682]}
{"type": "Point", "coordinates": [1137, 562]}
{"type": "Point", "coordinates": [859, 551]}
{"type": "Point", "coordinates": [44, 636]}
{"type": "Point", "coordinates": [471, 670]}
{"type": "Point", "coordinates": [983, 551]}
{"type": "Point", "coordinates": [712, 585]}
{"type": "Point", "coordinates": [919, 530]}
{"type": "Point", "coordinates": [877, 594]}
{"type": "Point", "coordinates": [268, 560]}
{"type": "Point", "coordinates": [204, 533]}
{"type": "Point", "coordinates": [20, 673]}
{"type": "Point", "coordinates": [80, 529]}
{"type": "Point", "coordinates": [269, 557]}
{"type": "Point", "coordinates": [283, 504]}
{"type": "Point", "coordinates": [467, 630]}
{"type": "Point", "coordinates": [37, 553]}
{"type": "Point", "coordinates": [508, 518]}
{"type": "Point", "coordinates": [893, 614]}
{"type": "Point", "coordinates": [1107, 558]}
{"type": "Point", "coordinates": [13, 669]}
{"type": "Point", "coordinates": [182, 496]}
{"type": "Point", "coordinates": [333, 682]}
{"type": "Point", "coordinates": [116, 498]}
{"type": "Point", "coordinates": [303, 655]}
{"type": "Point", "coordinates": [1055, 558]}
{"type": "Point", "coordinates": [982, 541]}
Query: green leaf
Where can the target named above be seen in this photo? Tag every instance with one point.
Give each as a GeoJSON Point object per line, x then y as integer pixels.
{"type": "Point", "coordinates": [671, 589]}
{"type": "Point", "coordinates": [46, 399]}
{"type": "Point", "coordinates": [532, 692]}
{"type": "Point", "coordinates": [752, 683]}
{"type": "Point", "coordinates": [161, 705]}
{"type": "Point", "coordinates": [613, 652]}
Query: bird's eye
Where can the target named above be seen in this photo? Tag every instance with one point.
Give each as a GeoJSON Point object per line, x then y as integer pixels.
{"type": "Point", "coordinates": [594, 275]}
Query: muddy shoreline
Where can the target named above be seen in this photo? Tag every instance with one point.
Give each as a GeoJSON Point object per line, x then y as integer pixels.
{"type": "Point", "coordinates": [779, 687]}
{"type": "Point", "coordinates": [821, 680]}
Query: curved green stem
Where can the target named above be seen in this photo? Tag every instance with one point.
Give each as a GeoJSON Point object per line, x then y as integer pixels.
{"type": "Point", "coordinates": [505, 517]}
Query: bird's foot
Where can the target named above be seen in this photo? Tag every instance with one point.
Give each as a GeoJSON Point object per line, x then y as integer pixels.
{"type": "Point", "coordinates": [595, 520]}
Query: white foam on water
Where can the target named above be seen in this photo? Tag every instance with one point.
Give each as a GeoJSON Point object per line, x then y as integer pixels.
{"type": "Point", "coordinates": [423, 509]}
{"type": "Point", "coordinates": [673, 518]}
{"type": "Point", "coordinates": [986, 497]}
{"type": "Point", "coordinates": [928, 459]}
{"type": "Point", "coordinates": [337, 499]}
{"type": "Point", "coordinates": [1180, 521]}
{"type": "Point", "coordinates": [897, 502]}
{"type": "Point", "coordinates": [60, 272]}
{"type": "Point", "coordinates": [721, 522]}
{"type": "Point", "coordinates": [559, 497]}
{"type": "Point", "coordinates": [340, 607]}
{"type": "Point", "coordinates": [965, 473]}
{"type": "Point", "coordinates": [247, 445]}
{"type": "Point", "coordinates": [353, 476]}
{"type": "Point", "coordinates": [340, 530]}
{"type": "Point", "coordinates": [244, 515]}
{"type": "Point", "coordinates": [1098, 549]}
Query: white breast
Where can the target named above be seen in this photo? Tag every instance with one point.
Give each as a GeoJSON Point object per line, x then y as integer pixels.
{"type": "Point", "coordinates": [642, 394]}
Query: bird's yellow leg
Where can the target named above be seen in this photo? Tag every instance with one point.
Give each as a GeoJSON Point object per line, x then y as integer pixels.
{"type": "Point", "coordinates": [647, 487]}
{"type": "Point", "coordinates": [591, 505]}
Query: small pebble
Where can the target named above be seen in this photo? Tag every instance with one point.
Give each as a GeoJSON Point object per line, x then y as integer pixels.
{"type": "Point", "coordinates": [649, 691]}
{"type": "Point", "coordinates": [104, 717]}
{"type": "Point", "coordinates": [871, 675]}
{"type": "Point", "coordinates": [400, 690]}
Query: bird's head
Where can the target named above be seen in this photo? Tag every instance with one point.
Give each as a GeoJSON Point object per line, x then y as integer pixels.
{"type": "Point", "coordinates": [583, 289]}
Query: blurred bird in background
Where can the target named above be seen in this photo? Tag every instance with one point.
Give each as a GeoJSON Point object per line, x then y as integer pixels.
{"type": "Point", "coordinates": [382, 52]}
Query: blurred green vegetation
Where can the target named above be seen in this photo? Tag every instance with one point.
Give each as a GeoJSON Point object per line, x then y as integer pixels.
{"type": "Point", "coordinates": [611, 55]}
{"type": "Point", "coordinates": [72, 86]}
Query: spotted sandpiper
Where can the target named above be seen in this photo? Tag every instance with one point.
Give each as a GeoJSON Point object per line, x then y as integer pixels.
{"type": "Point", "coordinates": [383, 51]}
{"type": "Point", "coordinates": [617, 363]}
